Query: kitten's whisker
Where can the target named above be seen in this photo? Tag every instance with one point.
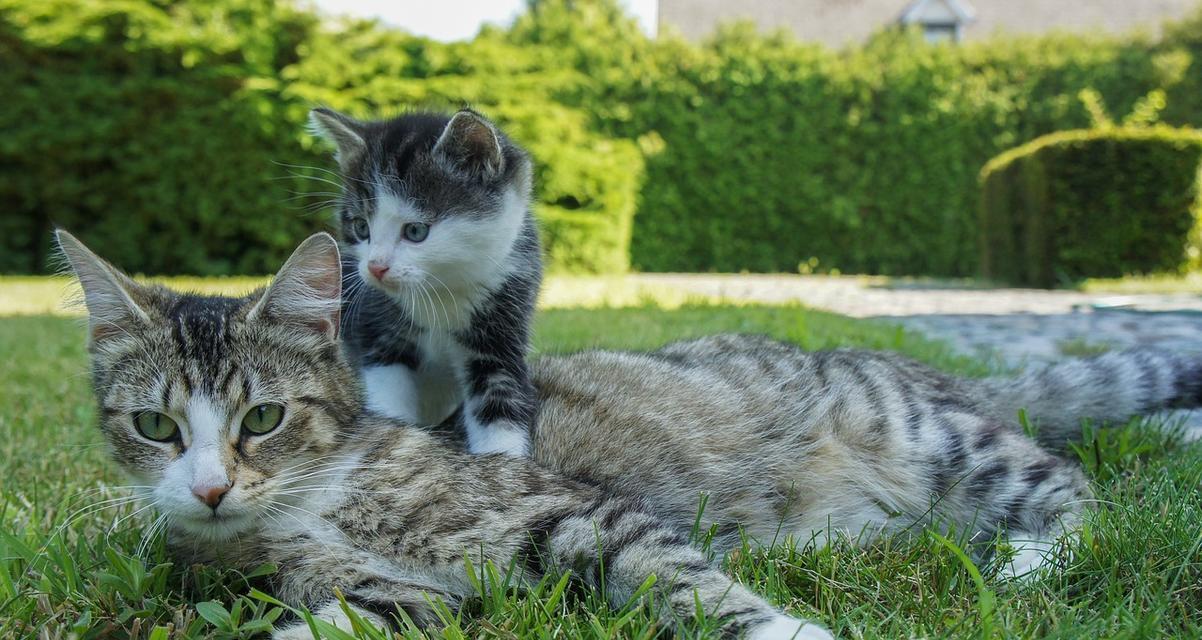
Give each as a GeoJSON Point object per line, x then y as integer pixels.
{"type": "Point", "coordinates": [331, 470]}
{"type": "Point", "coordinates": [450, 293]}
{"type": "Point", "coordinates": [422, 288]}
{"type": "Point", "coordinates": [305, 166]}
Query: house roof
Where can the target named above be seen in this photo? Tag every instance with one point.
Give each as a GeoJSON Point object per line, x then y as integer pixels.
{"type": "Point", "coordinates": [921, 11]}
{"type": "Point", "coordinates": [840, 22]}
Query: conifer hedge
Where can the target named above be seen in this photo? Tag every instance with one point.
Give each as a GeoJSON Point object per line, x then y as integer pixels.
{"type": "Point", "coordinates": [1092, 203]}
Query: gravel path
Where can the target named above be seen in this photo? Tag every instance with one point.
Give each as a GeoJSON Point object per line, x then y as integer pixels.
{"type": "Point", "coordinates": [1019, 326]}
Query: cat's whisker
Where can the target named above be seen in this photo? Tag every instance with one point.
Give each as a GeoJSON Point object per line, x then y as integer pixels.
{"type": "Point", "coordinates": [333, 470]}
{"type": "Point", "coordinates": [308, 462]}
{"type": "Point", "coordinates": [117, 524]}
{"type": "Point", "coordinates": [150, 533]}
{"type": "Point", "coordinates": [93, 508]}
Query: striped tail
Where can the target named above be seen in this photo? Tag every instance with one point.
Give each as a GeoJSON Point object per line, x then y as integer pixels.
{"type": "Point", "coordinates": [1112, 387]}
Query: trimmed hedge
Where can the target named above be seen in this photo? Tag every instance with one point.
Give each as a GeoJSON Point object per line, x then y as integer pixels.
{"type": "Point", "coordinates": [142, 122]}
{"type": "Point", "coordinates": [776, 153]}
{"type": "Point", "coordinates": [1092, 203]}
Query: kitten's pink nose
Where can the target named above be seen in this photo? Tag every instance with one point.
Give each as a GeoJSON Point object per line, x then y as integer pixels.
{"type": "Point", "coordinates": [210, 495]}
{"type": "Point", "coordinates": [377, 269]}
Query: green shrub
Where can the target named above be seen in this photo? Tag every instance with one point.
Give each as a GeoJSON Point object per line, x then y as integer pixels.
{"type": "Point", "coordinates": [171, 135]}
{"type": "Point", "coordinates": [777, 152]}
{"type": "Point", "coordinates": [1092, 203]}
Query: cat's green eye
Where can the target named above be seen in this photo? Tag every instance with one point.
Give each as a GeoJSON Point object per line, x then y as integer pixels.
{"type": "Point", "coordinates": [361, 228]}
{"type": "Point", "coordinates": [415, 231]}
{"type": "Point", "coordinates": [155, 426]}
{"type": "Point", "coordinates": [263, 418]}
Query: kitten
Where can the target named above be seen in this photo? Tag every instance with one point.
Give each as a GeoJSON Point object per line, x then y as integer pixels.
{"type": "Point", "coordinates": [435, 218]}
{"type": "Point", "coordinates": [247, 420]}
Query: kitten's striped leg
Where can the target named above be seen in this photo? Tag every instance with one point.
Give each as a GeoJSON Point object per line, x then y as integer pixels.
{"type": "Point", "coordinates": [500, 406]}
{"type": "Point", "coordinates": [615, 544]}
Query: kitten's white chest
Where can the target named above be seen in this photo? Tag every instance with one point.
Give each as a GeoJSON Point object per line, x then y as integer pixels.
{"type": "Point", "coordinates": [440, 390]}
{"type": "Point", "coordinates": [425, 396]}
{"type": "Point", "coordinates": [441, 309]}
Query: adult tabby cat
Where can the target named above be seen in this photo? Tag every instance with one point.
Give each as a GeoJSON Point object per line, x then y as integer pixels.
{"type": "Point", "coordinates": [443, 270]}
{"type": "Point", "coordinates": [247, 420]}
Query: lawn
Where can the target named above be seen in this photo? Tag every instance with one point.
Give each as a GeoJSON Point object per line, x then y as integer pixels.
{"type": "Point", "coordinates": [73, 565]}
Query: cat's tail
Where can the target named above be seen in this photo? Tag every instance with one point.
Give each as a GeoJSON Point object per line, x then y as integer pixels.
{"type": "Point", "coordinates": [1111, 387]}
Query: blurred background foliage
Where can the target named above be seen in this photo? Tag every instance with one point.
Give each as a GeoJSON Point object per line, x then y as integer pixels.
{"type": "Point", "coordinates": [170, 134]}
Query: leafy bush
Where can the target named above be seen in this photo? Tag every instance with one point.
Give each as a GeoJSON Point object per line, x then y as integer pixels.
{"type": "Point", "coordinates": [1092, 203]}
{"type": "Point", "coordinates": [171, 135]}
{"type": "Point", "coordinates": [777, 153]}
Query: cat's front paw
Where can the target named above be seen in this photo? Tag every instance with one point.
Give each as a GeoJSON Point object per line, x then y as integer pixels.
{"type": "Point", "coordinates": [786, 628]}
{"type": "Point", "coordinates": [498, 438]}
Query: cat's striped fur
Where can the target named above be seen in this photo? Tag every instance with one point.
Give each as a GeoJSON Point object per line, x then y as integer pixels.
{"type": "Point", "coordinates": [844, 442]}
{"type": "Point", "coordinates": [340, 498]}
{"type": "Point", "coordinates": [784, 442]}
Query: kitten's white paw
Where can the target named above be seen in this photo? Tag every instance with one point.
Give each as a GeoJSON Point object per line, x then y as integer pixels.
{"type": "Point", "coordinates": [502, 438]}
{"type": "Point", "coordinates": [787, 628]}
{"type": "Point", "coordinates": [332, 613]}
{"type": "Point", "coordinates": [295, 632]}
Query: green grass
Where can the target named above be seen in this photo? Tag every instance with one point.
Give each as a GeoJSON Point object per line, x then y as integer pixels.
{"type": "Point", "coordinates": [70, 571]}
{"type": "Point", "coordinates": [60, 296]}
{"type": "Point", "coordinates": [1190, 283]}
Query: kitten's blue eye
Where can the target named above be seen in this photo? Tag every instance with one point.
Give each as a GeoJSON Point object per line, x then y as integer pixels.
{"type": "Point", "coordinates": [263, 419]}
{"type": "Point", "coordinates": [415, 231]}
{"type": "Point", "coordinates": [156, 426]}
{"type": "Point", "coordinates": [361, 229]}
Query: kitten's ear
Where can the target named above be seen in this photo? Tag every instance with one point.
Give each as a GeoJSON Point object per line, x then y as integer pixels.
{"type": "Point", "coordinates": [345, 132]}
{"type": "Point", "coordinates": [307, 290]}
{"type": "Point", "coordinates": [470, 144]}
{"type": "Point", "coordinates": [108, 293]}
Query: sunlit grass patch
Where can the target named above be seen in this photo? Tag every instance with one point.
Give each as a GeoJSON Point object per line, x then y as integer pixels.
{"type": "Point", "coordinates": [1190, 283]}
{"type": "Point", "coordinates": [58, 295]}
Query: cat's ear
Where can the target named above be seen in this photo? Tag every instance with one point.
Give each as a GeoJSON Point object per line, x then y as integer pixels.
{"type": "Point", "coordinates": [108, 293]}
{"type": "Point", "coordinates": [470, 144]}
{"type": "Point", "coordinates": [346, 133]}
{"type": "Point", "coordinates": [307, 290]}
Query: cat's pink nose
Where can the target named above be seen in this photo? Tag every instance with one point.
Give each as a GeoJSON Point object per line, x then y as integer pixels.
{"type": "Point", "coordinates": [210, 495]}
{"type": "Point", "coordinates": [377, 269]}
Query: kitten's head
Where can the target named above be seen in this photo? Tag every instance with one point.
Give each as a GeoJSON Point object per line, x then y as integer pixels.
{"type": "Point", "coordinates": [430, 201]}
{"type": "Point", "coordinates": [221, 405]}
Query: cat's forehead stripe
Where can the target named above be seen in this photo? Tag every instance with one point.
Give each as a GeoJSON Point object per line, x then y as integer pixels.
{"type": "Point", "coordinates": [200, 328]}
